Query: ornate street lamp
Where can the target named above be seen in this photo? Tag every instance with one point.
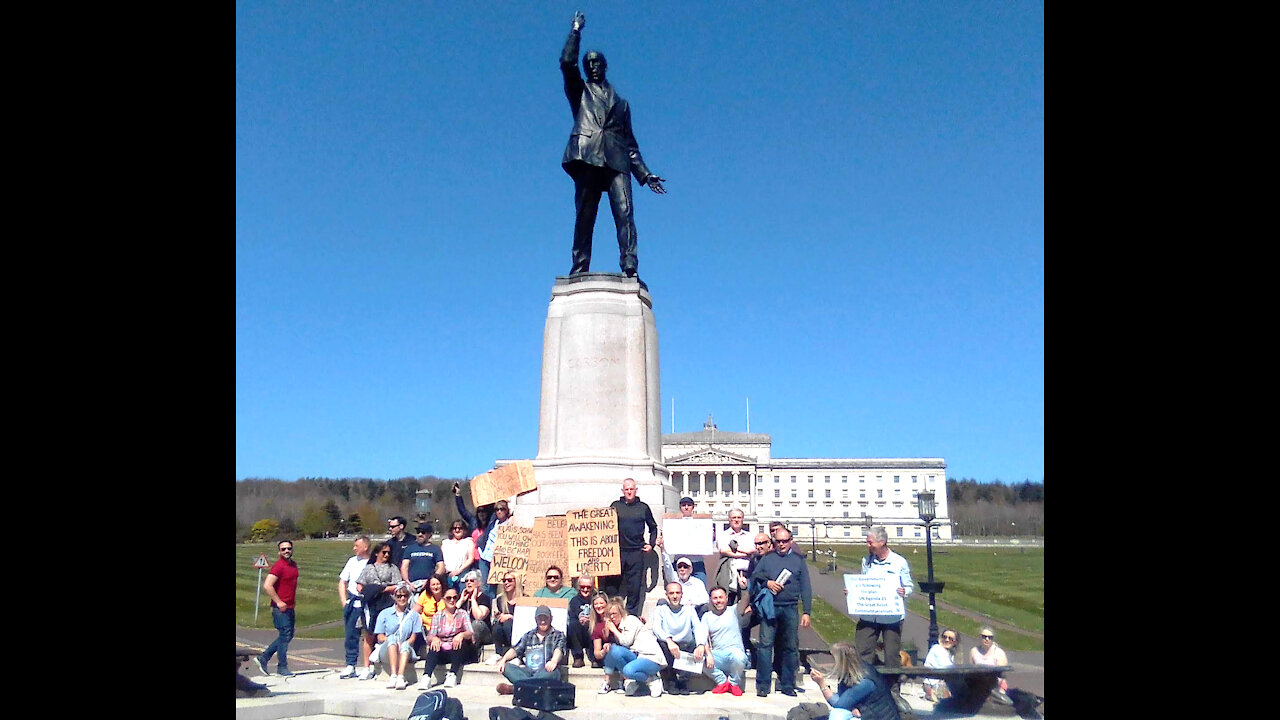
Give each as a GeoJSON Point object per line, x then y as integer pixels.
{"type": "Point", "coordinates": [813, 538]}
{"type": "Point", "coordinates": [422, 503]}
{"type": "Point", "coordinates": [924, 504]}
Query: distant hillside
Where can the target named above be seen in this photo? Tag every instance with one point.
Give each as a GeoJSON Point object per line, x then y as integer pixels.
{"type": "Point", "coordinates": [314, 506]}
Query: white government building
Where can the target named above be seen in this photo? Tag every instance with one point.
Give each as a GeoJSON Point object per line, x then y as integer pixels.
{"type": "Point", "coordinates": [722, 471]}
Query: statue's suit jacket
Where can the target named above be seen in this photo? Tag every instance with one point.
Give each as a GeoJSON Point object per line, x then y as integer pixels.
{"type": "Point", "coordinates": [601, 122]}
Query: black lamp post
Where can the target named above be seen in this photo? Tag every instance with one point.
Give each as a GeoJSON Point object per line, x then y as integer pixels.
{"type": "Point", "coordinates": [813, 538]}
{"type": "Point", "coordinates": [927, 513]}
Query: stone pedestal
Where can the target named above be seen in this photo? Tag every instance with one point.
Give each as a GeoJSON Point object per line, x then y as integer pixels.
{"type": "Point", "coordinates": [600, 420]}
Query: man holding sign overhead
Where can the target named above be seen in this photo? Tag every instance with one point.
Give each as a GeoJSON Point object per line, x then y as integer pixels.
{"type": "Point", "coordinates": [882, 561]}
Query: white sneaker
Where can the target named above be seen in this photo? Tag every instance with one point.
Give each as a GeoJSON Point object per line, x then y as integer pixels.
{"type": "Point", "coordinates": [605, 688]}
{"type": "Point", "coordinates": [493, 659]}
{"type": "Point", "coordinates": [347, 672]}
{"type": "Point", "coordinates": [450, 680]}
{"type": "Point", "coordinates": [400, 682]}
{"type": "Point", "coordinates": [392, 682]}
{"type": "Point", "coordinates": [655, 687]}
{"type": "Point", "coordinates": [365, 674]}
{"type": "Point", "coordinates": [629, 687]}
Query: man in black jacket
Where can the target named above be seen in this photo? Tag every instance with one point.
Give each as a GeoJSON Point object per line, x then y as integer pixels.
{"type": "Point", "coordinates": [633, 517]}
{"type": "Point", "coordinates": [602, 153]}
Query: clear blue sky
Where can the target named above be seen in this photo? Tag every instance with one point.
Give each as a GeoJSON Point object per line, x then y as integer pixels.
{"type": "Point", "coordinates": [853, 236]}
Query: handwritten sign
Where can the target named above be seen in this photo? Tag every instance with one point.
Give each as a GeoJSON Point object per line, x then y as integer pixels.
{"type": "Point", "coordinates": [524, 621]}
{"type": "Point", "coordinates": [510, 551]}
{"type": "Point", "coordinates": [873, 595]}
{"type": "Point", "coordinates": [500, 484]}
{"type": "Point", "coordinates": [549, 545]}
{"type": "Point", "coordinates": [689, 535]}
{"type": "Point", "coordinates": [593, 542]}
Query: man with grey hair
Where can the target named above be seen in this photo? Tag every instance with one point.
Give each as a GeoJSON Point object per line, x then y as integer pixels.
{"type": "Point", "coordinates": [873, 629]}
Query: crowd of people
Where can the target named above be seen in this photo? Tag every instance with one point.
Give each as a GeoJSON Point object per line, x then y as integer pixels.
{"type": "Point", "coordinates": [407, 600]}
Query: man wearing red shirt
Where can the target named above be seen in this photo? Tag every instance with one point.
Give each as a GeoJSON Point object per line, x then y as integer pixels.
{"type": "Point", "coordinates": [281, 586]}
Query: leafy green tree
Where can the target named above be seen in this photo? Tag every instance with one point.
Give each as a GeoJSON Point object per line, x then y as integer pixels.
{"type": "Point", "coordinates": [263, 530]}
{"type": "Point", "coordinates": [354, 524]}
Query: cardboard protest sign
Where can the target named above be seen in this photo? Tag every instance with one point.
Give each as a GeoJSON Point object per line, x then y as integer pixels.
{"type": "Point", "coordinates": [873, 595]}
{"type": "Point", "coordinates": [524, 621]}
{"type": "Point", "coordinates": [547, 546]}
{"type": "Point", "coordinates": [500, 484]}
{"type": "Point", "coordinates": [593, 542]}
{"type": "Point", "coordinates": [510, 551]}
{"type": "Point", "coordinates": [688, 535]}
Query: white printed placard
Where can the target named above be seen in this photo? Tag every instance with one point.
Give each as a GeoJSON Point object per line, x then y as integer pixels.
{"type": "Point", "coordinates": [688, 536]}
{"type": "Point", "coordinates": [524, 621]}
{"type": "Point", "coordinates": [688, 663]}
{"type": "Point", "coordinates": [873, 595]}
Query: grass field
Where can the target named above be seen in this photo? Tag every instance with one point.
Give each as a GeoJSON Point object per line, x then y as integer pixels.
{"type": "Point", "coordinates": [319, 562]}
{"type": "Point", "coordinates": [1003, 584]}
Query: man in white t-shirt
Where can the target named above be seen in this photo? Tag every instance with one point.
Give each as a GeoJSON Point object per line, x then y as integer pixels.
{"type": "Point", "coordinates": [353, 606]}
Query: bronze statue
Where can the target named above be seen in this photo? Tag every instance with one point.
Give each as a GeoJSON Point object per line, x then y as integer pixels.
{"type": "Point", "coordinates": [602, 154]}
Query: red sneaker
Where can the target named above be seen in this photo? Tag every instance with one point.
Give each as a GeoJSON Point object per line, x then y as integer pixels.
{"type": "Point", "coordinates": [722, 688]}
{"type": "Point", "coordinates": [737, 691]}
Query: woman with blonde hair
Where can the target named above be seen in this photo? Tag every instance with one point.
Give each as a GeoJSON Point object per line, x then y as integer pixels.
{"type": "Point", "coordinates": [599, 628]}
{"type": "Point", "coordinates": [858, 687]}
{"type": "Point", "coordinates": [633, 653]}
{"type": "Point", "coordinates": [941, 655]}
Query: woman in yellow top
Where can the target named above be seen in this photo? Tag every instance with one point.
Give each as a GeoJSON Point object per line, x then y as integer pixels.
{"type": "Point", "coordinates": [431, 600]}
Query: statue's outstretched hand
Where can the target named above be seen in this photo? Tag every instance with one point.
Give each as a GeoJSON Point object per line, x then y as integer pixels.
{"type": "Point", "coordinates": [655, 184]}
{"type": "Point", "coordinates": [579, 20]}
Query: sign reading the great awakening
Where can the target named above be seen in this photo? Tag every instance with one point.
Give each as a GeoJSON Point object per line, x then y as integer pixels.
{"type": "Point", "coordinates": [511, 479]}
{"type": "Point", "coordinates": [873, 595]}
{"type": "Point", "coordinates": [549, 545]}
{"type": "Point", "coordinates": [510, 552]}
{"type": "Point", "coordinates": [593, 542]}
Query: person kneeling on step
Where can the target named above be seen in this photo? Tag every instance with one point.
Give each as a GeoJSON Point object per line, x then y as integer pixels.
{"type": "Point", "coordinates": [679, 632]}
{"type": "Point", "coordinates": [396, 628]}
{"type": "Point", "coordinates": [724, 638]}
{"type": "Point", "coordinates": [633, 653]}
{"type": "Point", "coordinates": [542, 649]}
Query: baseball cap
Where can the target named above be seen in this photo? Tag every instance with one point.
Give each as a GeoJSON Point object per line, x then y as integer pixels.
{"type": "Point", "coordinates": [687, 501]}
{"type": "Point", "coordinates": [684, 561]}
{"type": "Point", "coordinates": [425, 527]}
{"type": "Point", "coordinates": [542, 610]}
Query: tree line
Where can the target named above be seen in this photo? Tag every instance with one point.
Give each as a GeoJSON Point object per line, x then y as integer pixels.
{"type": "Point", "coordinates": [267, 508]}
{"type": "Point", "coordinates": [995, 509]}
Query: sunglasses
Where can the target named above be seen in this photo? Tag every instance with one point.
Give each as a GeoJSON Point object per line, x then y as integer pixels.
{"type": "Point", "coordinates": [384, 552]}
{"type": "Point", "coordinates": [948, 638]}
{"type": "Point", "coordinates": [988, 637]}
{"type": "Point", "coordinates": [553, 577]}
{"type": "Point", "coordinates": [450, 597]}
{"type": "Point", "coordinates": [403, 595]}
{"type": "Point", "coordinates": [508, 579]}
{"type": "Point", "coordinates": [286, 549]}
{"type": "Point", "coordinates": [766, 542]}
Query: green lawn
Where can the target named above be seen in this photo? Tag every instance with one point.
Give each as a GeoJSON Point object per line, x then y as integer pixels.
{"type": "Point", "coordinates": [1004, 584]}
{"type": "Point", "coordinates": [319, 562]}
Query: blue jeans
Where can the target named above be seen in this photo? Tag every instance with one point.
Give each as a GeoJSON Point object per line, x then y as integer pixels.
{"type": "Point", "coordinates": [782, 633]}
{"type": "Point", "coordinates": [730, 662]}
{"type": "Point", "coordinates": [620, 659]}
{"type": "Point", "coordinates": [351, 638]}
{"type": "Point", "coordinates": [515, 673]}
{"type": "Point", "coordinates": [283, 620]}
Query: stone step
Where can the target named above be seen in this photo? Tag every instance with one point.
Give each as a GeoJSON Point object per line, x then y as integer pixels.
{"type": "Point", "coordinates": [586, 679]}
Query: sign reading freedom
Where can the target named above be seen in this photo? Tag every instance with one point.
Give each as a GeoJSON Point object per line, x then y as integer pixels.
{"type": "Point", "coordinates": [500, 484]}
{"type": "Point", "coordinates": [548, 546]}
{"type": "Point", "coordinates": [510, 552]}
{"type": "Point", "coordinates": [593, 542]}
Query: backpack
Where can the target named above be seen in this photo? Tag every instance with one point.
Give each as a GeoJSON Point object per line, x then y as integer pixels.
{"type": "Point", "coordinates": [436, 705]}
